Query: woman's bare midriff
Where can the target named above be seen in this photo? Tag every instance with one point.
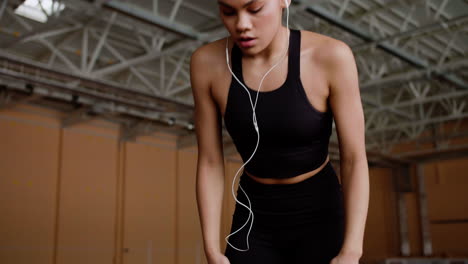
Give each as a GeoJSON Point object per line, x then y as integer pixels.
{"type": "Point", "coordinates": [291, 180]}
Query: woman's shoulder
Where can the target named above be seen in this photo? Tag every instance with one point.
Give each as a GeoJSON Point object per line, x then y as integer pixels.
{"type": "Point", "coordinates": [323, 49]}
{"type": "Point", "coordinates": [204, 62]}
{"type": "Point", "coordinates": [211, 53]}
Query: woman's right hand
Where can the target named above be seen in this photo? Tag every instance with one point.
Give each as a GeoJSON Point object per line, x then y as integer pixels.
{"type": "Point", "coordinates": [218, 258]}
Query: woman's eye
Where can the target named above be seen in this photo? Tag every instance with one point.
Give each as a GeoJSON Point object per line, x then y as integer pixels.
{"type": "Point", "coordinates": [228, 13]}
{"type": "Point", "coordinates": [256, 11]}
{"type": "Point", "coordinates": [231, 13]}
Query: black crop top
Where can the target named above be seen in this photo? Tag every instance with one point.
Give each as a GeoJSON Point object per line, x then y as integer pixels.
{"type": "Point", "coordinates": [294, 136]}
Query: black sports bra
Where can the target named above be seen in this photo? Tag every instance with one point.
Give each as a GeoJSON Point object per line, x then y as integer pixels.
{"type": "Point", "coordinates": [294, 136]}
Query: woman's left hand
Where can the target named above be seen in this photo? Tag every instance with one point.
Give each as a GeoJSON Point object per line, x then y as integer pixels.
{"type": "Point", "coordinates": [346, 258]}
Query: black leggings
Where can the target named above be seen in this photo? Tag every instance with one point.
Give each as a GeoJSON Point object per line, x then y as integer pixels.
{"type": "Point", "coordinates": [298, 223]}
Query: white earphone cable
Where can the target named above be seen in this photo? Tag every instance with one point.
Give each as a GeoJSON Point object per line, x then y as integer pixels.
{"type": "Point", "coordinates": [256, 128]}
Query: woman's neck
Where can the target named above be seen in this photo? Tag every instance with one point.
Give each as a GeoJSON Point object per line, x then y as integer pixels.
{"type": "Point", "coordinates": [274, 51]}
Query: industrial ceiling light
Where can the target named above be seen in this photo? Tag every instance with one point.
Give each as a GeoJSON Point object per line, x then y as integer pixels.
{"type": "Point", "coordinates": [171, 121]}
{"type": "Point", "coordinates": [190, 126]}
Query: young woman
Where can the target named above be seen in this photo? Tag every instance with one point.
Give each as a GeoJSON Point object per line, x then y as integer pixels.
{"type": "Point", "coordinates": [278, 90]}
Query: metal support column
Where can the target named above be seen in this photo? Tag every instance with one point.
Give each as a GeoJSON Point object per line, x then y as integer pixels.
{"type": "Point", "coordinates": [424, 218]}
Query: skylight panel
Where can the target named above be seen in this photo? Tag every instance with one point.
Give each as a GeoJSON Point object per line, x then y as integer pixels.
{"type": "Point", "coordinates": [39, 10]}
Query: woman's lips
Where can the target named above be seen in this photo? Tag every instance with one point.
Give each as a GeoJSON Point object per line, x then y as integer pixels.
{"type": "Point", "coordinates": [247, 43]}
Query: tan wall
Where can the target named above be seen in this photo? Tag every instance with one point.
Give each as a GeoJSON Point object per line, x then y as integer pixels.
{"type": "Point", "coordinates": [76, 195]}
{"type": "Point", "coordinates": [447, 185]}
{"type": "Point", "coordinates": [29, 167]}
{"type": "Point", "coordinates": [381, 233]}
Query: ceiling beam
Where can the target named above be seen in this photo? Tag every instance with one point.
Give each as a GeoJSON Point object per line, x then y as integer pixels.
{"type": "Point", "coordinates": [324, 14]}
{"type": "Point", "coordinates": [150, 18]}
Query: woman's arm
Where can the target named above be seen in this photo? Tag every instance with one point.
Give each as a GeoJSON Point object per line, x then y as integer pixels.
{"type": "Point", "coordinates": [347, 109]}
{"type": "Point", "coordinates": [210, 163]}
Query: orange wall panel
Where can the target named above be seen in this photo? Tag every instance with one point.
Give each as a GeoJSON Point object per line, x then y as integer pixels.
{"type": "Point", "coordinates": [28, 190]}
{"type": "Point", "coordinates": [450, 240]}
{"type": "Point", "coordinates": [447, 185]}
{"type": "Point", "coordinates": [87, 204]}
{"type": "Point", "coordinates": [189, 236]}
{"type": "Point", "coordinates": [150, 204]}
{"type": "Point", "coordinates": [381, 233]}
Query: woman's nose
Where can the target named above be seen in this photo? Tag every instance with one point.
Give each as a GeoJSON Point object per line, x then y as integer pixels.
{"type": "Point", "coordinates": [243, 22]}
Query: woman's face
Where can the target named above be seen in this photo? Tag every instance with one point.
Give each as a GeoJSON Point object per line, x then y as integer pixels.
{"type": "Point", "coordinates": [252, 24]}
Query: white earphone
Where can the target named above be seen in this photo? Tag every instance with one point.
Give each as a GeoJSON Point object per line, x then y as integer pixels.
{"type": "Point", "coordinates": [256, 128]}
